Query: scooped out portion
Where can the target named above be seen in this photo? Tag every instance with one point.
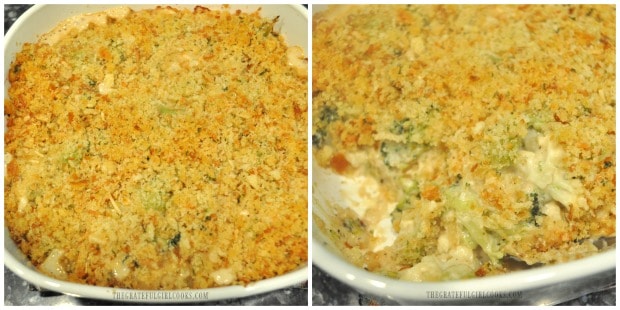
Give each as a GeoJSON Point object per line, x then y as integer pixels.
{"type": "Point", "coordinates": [470, 140]}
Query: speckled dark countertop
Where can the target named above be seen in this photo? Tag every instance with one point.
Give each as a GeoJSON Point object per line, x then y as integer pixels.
{"type": "Point", "coordinates": [19, 292]}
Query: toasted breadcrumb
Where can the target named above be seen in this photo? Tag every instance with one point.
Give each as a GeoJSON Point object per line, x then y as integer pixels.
{"type": "Point", "coordinates": [493, 126]}
{"type": "Point", "coordinates": [162, 150]}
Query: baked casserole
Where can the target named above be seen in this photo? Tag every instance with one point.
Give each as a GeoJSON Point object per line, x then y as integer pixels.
{"type": "Point", "coordinates": [159, 149]}
{"type": "Point", "coordinates": [472, 140]}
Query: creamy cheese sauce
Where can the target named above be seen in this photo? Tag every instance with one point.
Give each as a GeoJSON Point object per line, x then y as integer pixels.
{"type": "Point", "coordinates": [52, 264]}
{"type": "Point", "coordinates": [363, 195]}
{"type": "Point", "coordinates": [470, 155]}
{"type": "Point", "coordinates": [539, 165]}
{"type": "Point", "coordinates": [223, 276]}
{"type": "Point", "coordinates": [119, 269]}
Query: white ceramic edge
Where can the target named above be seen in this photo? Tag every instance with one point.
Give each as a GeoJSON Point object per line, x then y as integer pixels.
{"type": "Point", "coordinates": [326, 195]}
{"type": "Point", "coordinates": [19, 265]}
{"type": "Point", "coordinates": [21, 268]}
{"type": "Point", "coordinates": [376, 284]}
{"type": "Point", "coordinates": [516, 281]}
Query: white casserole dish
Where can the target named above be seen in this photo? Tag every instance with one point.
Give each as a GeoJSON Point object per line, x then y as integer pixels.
{"type": "Point", "coordinates": [540, 286]}
{"type": "Point", "coordinates": [292, 24]}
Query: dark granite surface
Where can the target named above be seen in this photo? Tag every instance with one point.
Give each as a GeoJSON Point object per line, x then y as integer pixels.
{"type": "Point", "coordinates": [19, 292]}
{"type": "Point", "coordinates": [12, 12]}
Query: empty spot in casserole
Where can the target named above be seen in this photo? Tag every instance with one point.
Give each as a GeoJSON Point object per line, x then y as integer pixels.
{"type": "Point", "coordinates": [365, 197]}
{"type": "Point", "coordinates": [502, 177]}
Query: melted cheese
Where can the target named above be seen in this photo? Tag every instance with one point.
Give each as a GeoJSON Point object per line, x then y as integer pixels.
{"type": "Point", "coordinates": [296, 59]}
{"type": "Point", "coordinates": [107, 85]}
{"type": "Point", "coordinates": [52, 265]}
{"type": "Point", "coordinates": [23, 203]}
{"type": "Point", "coordinates": [223, 276]}
{"type": "Point", "coordinates": [540, 167]}
{"type": "Point", "coordinates": [119, 269]}
{"type": "Point", "coordinates": [364, 197]}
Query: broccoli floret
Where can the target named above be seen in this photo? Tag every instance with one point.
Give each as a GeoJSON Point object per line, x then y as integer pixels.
{"type": "Point", "coordinates": [535, 205]}
{"type": "Point", "coordinates": [535, 211]}
{"type": "Point", "coordinates": [175, 240]}
{"type": "Point", "coordinates": [402, 126]}
{"type": "Point", "coordinates": [328, 114]}
{"type": "Point", "coordinates": [400, 155]}
{"type": "Point", "coordinates": [468, 207]}
{"type": "Point", "coordinates": [318, 138]}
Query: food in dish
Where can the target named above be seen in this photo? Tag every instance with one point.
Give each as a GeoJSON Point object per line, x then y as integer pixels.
{"type": "Point", "coordinates": [159, 149]}
{"type": "Point", "coordinates": [470, 140]}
